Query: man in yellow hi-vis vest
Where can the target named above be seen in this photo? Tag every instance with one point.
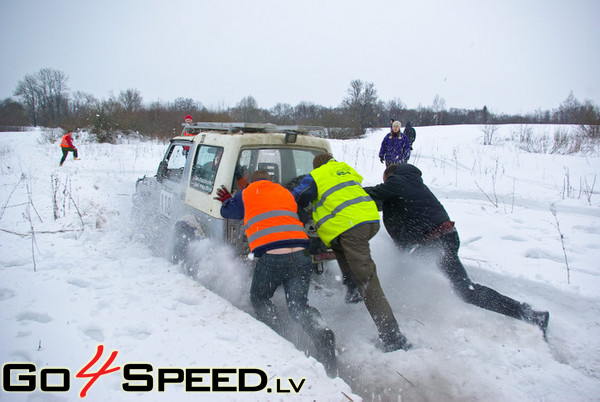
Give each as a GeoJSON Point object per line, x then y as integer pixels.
{"type": "Point", "coordinates": [346, 219]}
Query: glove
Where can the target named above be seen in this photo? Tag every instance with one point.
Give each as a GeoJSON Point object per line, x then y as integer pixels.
{"type": "Point", "coordinates": [223, 194]}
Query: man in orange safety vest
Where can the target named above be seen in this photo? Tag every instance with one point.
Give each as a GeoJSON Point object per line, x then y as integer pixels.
{"type": "Point", "coordinates": [277, 238]}
{"type": "Point", "coordinates": [67, 146]}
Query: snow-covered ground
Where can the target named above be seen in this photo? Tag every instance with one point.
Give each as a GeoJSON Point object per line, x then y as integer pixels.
{"type": "Point", "coordinates": [81, 280]}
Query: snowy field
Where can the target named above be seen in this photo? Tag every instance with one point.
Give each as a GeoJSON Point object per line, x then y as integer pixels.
{"type": "Point", "coordinates": [73, 277]}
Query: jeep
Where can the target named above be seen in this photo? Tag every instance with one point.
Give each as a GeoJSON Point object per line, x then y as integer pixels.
{"type": "Point", "coordinates": [180, 199]}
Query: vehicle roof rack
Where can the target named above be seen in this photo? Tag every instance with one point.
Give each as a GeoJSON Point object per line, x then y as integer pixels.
{"type": "Point", "coordinates": [315, 131]}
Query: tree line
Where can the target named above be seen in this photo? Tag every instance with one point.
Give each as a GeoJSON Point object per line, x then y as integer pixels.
{"type": "Point", "coordinates": [44, 99]}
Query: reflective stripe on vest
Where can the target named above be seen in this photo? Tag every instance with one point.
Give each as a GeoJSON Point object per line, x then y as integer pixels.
{"type": "Point", "coordinates": [340, 207]}
{"type": "Point", "coordinates": [262, 223]}
{"type": "Point", "coordinates": [341, 201]}
{"type": "Point", "coordinates": [270, 214]}
{"type": "Point", "coordinates": [65, 143]}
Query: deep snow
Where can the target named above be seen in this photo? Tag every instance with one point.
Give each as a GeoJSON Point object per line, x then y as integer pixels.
{"type": "Point", "coordinates": [93, 283]}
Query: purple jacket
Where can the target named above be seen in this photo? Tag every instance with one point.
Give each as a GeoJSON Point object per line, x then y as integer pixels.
{"type": "Point", "coordinates": [395, 150]}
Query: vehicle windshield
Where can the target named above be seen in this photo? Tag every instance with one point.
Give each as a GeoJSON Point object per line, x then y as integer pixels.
{"type": "Point", "coordinates": [286, 166]}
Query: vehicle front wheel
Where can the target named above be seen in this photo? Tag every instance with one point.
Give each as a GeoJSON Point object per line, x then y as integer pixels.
{"type": "Point", "coordinates": [182, 237]}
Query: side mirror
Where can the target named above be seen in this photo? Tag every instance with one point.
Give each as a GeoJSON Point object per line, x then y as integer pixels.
{"type": "Point", "coordinates": [162, 171]}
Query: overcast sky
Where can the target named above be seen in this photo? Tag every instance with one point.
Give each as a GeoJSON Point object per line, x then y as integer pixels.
{"type": "Point", "coordinates": [512, 55]}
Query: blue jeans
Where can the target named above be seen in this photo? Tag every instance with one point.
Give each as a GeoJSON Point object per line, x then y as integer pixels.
{"type": "Point", "coordinates": [293, 271]}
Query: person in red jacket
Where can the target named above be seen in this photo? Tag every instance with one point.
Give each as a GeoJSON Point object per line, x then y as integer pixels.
{"type": "Point", "coordinates": [67, 146]}
{"type": "Point", "coordinates": [188, 120]}
{"type": "Point", "coordinates": [188, 132]}
{"type": "Point", "coordinates": [279, 242]}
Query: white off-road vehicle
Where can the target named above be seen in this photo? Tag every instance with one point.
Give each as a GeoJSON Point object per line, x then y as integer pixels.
{"type": "Point", "coordinates": [178, 204]}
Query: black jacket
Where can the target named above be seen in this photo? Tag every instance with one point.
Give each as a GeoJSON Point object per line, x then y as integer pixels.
{"type": "Point", "coordinates": [410, 210]}
{"type": "Point", "coordinates": [410, 132]}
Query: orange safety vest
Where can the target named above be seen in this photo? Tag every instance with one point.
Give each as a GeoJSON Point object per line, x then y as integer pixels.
{"type": "Point", "coordinates": [270, 214]}
{"type": "Point", "coordinates": [65, 142]}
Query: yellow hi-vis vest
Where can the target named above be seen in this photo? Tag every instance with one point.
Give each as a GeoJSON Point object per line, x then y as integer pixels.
{"type": "Point", "coordinates": [341, 201]}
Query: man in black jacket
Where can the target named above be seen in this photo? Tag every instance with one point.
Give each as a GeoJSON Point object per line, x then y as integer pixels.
{"type": "Point", "coordinates": [413, 216]}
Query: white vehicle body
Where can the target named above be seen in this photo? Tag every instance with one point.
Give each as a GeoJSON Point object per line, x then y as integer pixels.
{"type": "Point", "coordinates": [195, 166]}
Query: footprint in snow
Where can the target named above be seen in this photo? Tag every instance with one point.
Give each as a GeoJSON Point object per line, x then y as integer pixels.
{"type": "Point", "coordinates": [588, 229]}
{"type": "Point", "coordinates": [471, 240]}
{"type": "Point", "coordinates": [95, 333]}
{"type": "Point", "coordinates": [6, 293]}
{"type": "Point", "coordinates": [539, 254]}
{"type": "Point", "coordinates": [513, 238]}
{"type": "Point", "coordinates": [138, 333]}
{"type": "Point", "coordinates": [42, 318]}
{"type": "Point", "coordinates": [78, 282]}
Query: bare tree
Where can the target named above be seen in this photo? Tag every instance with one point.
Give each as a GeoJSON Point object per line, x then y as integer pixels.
{"type": "Point", "coordinates": [27, 90]}
{"type": "Point", "coordinates": [54, 97]}
{"type": "Point", "coordinates": [45, 96]}
{"type": "Point", "coordinates": [568, 109]}
{"type": "Point", "coordinates": [439, 106]}
{"type": "Point", "coordinates": [395, 107]}
{"type": "Point", "coordinates": [362, 105]}
{"type": "Point", "coordinates": [489, 131]}
{"type": "Point", "coordinates": [12, 114]}
{"type": "Point", "coordinates": [131, 99]}
{"type": "Point", "coordinates": [82, 103]}
{"type": "Point", "coordinates": [282, 112]}
{"type": "Point", "coordinates": [247, 110]}
{"type": "Point", "coordinates": [307, 113]}
{"type": "Point", "coordinates": [186, 105]}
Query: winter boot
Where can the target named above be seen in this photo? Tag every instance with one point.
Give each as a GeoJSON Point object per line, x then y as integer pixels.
{"type": "Point", "coordinates": [539, 318]}
{"type": "Point", "coordinates": [353, 296]}
{"type": "Point", "coordinates": [394, 341]}
{"type": "Point", "coordinates": [325, 344]}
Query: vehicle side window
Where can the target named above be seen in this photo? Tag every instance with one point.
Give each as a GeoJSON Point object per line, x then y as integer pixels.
{"type": "Point", "coordinates": [176, 163]}
{"type": "Point", "coordinates": [205, 168]}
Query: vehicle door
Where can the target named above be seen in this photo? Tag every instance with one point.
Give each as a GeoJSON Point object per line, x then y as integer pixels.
{"type": "Point", "coordinates": [286, 166]}
{"type": "Point", "coordinates": [206, 172]}
{"type": "Point", "coordinates": [171, 176]}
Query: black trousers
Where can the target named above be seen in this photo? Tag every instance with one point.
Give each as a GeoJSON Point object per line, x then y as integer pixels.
{"type": "Point", "coordinates": [472, 293]}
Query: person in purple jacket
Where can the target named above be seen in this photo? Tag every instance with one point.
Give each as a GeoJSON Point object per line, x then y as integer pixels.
{"type": "Point", "coordinates": [395, 148]}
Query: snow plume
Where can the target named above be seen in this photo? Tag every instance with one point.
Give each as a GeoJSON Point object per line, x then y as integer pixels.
{"type": "Point", "coordinates": [215, 266]}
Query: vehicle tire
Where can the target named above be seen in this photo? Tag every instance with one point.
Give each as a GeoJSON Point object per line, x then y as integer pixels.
{"type": "Point", "coordinates": [182, 237]}
{"type": "Point", "coordinates": [137, 210]}
{"type": "Point", "coordinates": [139, 221]}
